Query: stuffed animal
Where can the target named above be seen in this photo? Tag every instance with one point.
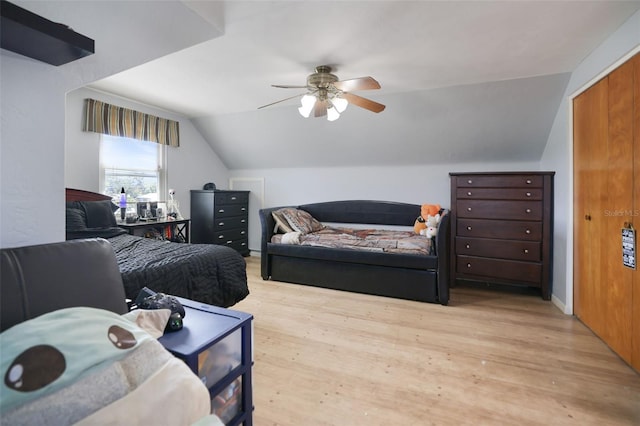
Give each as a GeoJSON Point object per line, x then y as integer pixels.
{"type": "Point", "coordinates": [426, 210]}
{"type": "Point", "coordinates": [433, 221]}
{"type": "Point", "coordinates": [429, 231]}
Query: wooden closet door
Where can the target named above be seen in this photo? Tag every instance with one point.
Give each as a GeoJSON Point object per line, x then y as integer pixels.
{"type": "Point", "coordinates": [590, 128]}
{"type": "Point", "coordinates": [607, 197]}
{"type": "Point", "coordinates": [620, 188]}
{"type": "Point", "coordinates": [635, 325]}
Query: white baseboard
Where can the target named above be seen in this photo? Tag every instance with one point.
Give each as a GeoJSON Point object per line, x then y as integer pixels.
{"type": "Point", "coordinates": [561, 305]}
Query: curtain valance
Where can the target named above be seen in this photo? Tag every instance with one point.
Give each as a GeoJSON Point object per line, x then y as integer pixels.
{"type": "Point", "coordinates": [113, 120]}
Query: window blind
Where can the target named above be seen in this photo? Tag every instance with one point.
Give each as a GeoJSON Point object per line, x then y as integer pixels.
{"type": "Point", "coordinates": [107, 119]}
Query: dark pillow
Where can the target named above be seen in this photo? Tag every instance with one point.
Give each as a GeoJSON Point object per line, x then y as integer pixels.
{"type": "Point", "coordinates": [99, 214]}
{"type": "Point", "coordinates": [76, 219]}
{"type": "Point", "coordinates": [95, 233]}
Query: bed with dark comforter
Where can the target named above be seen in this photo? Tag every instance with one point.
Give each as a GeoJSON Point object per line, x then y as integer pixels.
{"type": "Point", "coordinates": [212, 274]}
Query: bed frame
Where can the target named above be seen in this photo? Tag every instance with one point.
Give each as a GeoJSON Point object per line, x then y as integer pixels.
{"type": "Point", "coordinates": [82, 195]}
{"type": "Point", "coordinates": [404, 276]}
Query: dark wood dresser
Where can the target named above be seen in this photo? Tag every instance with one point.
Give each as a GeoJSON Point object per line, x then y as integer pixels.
{"type": "Point", "coordinates": [502, 228]}
{"type": "Point", "coordinates": [221, 217]}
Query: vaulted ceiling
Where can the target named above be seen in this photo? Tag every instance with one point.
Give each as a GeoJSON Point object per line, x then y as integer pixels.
{"type": "Point", "coordinates": [462, 80]}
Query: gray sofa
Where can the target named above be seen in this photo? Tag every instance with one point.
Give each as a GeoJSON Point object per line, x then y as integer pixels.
{"type": "Point", "coordinates": [43, 278]}
{"type": "Point", "coordinates": [78, 365]}
{"type": "Point", "coordinates": [405, 276]}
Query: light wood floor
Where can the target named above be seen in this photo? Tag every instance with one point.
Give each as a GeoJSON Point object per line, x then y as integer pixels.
{"type": "Point", "coordinates": [325, 357]}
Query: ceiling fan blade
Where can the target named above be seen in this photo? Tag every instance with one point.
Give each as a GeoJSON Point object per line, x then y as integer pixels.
{"type": "Point", "coordinates": [285, 86]}
{"type": "Point", "coordinates": [363, 102]}
{"type": "Point", "coordinates": [281, 100]}
{"type": "Point", "coordinates": [362, 83]}
{"type": "Point", "coordinates": [320, 108]}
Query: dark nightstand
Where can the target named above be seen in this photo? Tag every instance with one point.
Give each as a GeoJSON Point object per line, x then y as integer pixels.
{"type": "Point", "coordinates": [216, 343]}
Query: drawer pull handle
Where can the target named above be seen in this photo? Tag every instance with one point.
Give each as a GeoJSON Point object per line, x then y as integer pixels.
{"type": "Point", "coordinates": [221, 224]}
{"type": "Point", "coordinates": [221, 211]}
{"type": "Point", "coordinates": [528, 181]}
{"type": "Point", "coordinates": [233, 198]}
{"type": "Point", "coordinates": [242, 233]}
{"type": "Point", "coordinates": [243, 209]}
{"type": "Point", "coordinates": [468, 228]}
{"type": "Point", "coordinates": [528, 231]}
{"type": "Point", "coordinates": [468, 265]}
{"type": "Point", "coordinates": [468, 246]}
{"type": "Point", "coordinates": [243, 244]}
{"type": "Point", "coordinates": [242, 221]}
{"type": "Point", "coordinates": [528, 194]}
{"type": "Point", "coordinates": [468, 209]}
{"type": "Point", "coordinates": [220, 237]}
{"type": "Point", "coordinates": [526, 251]}
{"type": "Point", "coordinates": [469, 181]}
{"type": "Point", "coordinates": [229, 241]}
{"type": "Point", "coordinates": [469, 193]}
{"type": "Point", "coordinates": [528, 210]}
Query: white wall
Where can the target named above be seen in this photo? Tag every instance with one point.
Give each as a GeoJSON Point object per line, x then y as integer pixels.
{"type": "Point", "coordinates": [407, 184]}
{"type": "Point", "coordinates": [558, 153]}
{"type": "Point", "coordinates": [32, 105]}
{"type": "Point", "coordinates": [189, 166]}
{"type": "Point", "coordinates": [31, 152]}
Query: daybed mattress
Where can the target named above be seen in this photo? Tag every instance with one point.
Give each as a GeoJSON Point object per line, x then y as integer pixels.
{"type": "Point", "coordinates": [372, 240]}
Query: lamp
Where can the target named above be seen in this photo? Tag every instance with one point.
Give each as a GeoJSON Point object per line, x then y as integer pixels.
{"type": "Point", "coordinates": [307, 101]}
{"type": "Point", "coordinates": [339, 103]}
{"type": "Point", "coordinates": [335, 106]}
{"type": "Point", "coordinates": [332, 114]}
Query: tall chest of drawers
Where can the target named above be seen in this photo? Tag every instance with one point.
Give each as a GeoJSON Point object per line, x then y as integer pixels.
{"type": "Point", "coordinates": [502, 228]}
{"type": "Point", "coordinates": [221, 217]}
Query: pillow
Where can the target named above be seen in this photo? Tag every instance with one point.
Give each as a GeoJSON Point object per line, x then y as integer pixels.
{"type": "Point", "coordinates": [95, 233]}
{"type": "Point", "coordinates": [301, 221]}
{"type": "Point", "coordinates": [281, 222]}
{"type": "Point", "coordinates": [291, 238]}
{"type": "Point", "coordinates": [76, 220]}
{"type": "Point", "coordinates": [48, 353]}
{"type": "Point", "coordinates": [100, 214]}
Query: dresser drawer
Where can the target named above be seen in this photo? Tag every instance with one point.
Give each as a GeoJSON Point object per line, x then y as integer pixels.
{"type": "Point", "coordinates": [501, 249]}
{"type": "Point", "coordinates": [502, 269]}
{"type": "Point", "coordinates": [499, 194]}
{"type": "Point", "coordinates": [230, 210]}
{"type": "Point", "coordinates": [515, 210]}
{"type": "Point", "coordinates": [223, 198]}
{"type": "Point", "coordinates": [498, 181]}
{"type": "Point", "coordinates": [515, 230]}
{"type": "Point", "coordinates": [229, 236]}
{"type": "Point", "coordinates": [233, 222]}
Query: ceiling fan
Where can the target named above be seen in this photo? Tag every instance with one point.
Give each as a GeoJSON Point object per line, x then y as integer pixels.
{"type": "Point", "coordinates": [328, 96]}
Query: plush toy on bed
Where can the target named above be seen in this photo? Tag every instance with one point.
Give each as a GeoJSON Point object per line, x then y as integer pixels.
{"type": "Point", "coordinates": [426, 210]}
{"type": "Point", "coordinates": [432, 223]}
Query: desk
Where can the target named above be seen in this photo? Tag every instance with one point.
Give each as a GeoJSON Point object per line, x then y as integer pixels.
{"type": "Point", "coordinates": [172, 230]}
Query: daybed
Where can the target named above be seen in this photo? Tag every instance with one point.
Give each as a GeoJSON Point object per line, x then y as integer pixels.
{"type": "Point", "coordinates": [68, 355]}
{"type": "Point", "coordinates": [421, 277]}
{"type": "Point", "coordinates": [212, 274]}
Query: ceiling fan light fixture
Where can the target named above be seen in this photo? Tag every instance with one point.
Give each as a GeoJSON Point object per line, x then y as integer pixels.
{"type": "Point", "coordinates": [332, 114]}
{"type": "Point", "coordinates": [308, 102]}
{"type": "Point", "coordinates": [326, 95]}
{"type": "Point", "coordinates": [340, 104]}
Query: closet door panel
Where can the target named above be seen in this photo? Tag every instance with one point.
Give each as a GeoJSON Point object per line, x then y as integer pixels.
{"type": "Point", "coordinates": [619, 206]}
{"type": "Point", "coordinates": [590, 158]}
{"type": "Point", "coordinates": [635, 321]}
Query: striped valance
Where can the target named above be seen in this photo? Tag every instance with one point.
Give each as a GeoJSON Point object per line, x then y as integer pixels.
{"type": "Point", "coordinates": [113, 120]}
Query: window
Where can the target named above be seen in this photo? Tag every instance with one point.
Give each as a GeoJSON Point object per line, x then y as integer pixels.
{"type": "Point", "coordinates": [137, 166]}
